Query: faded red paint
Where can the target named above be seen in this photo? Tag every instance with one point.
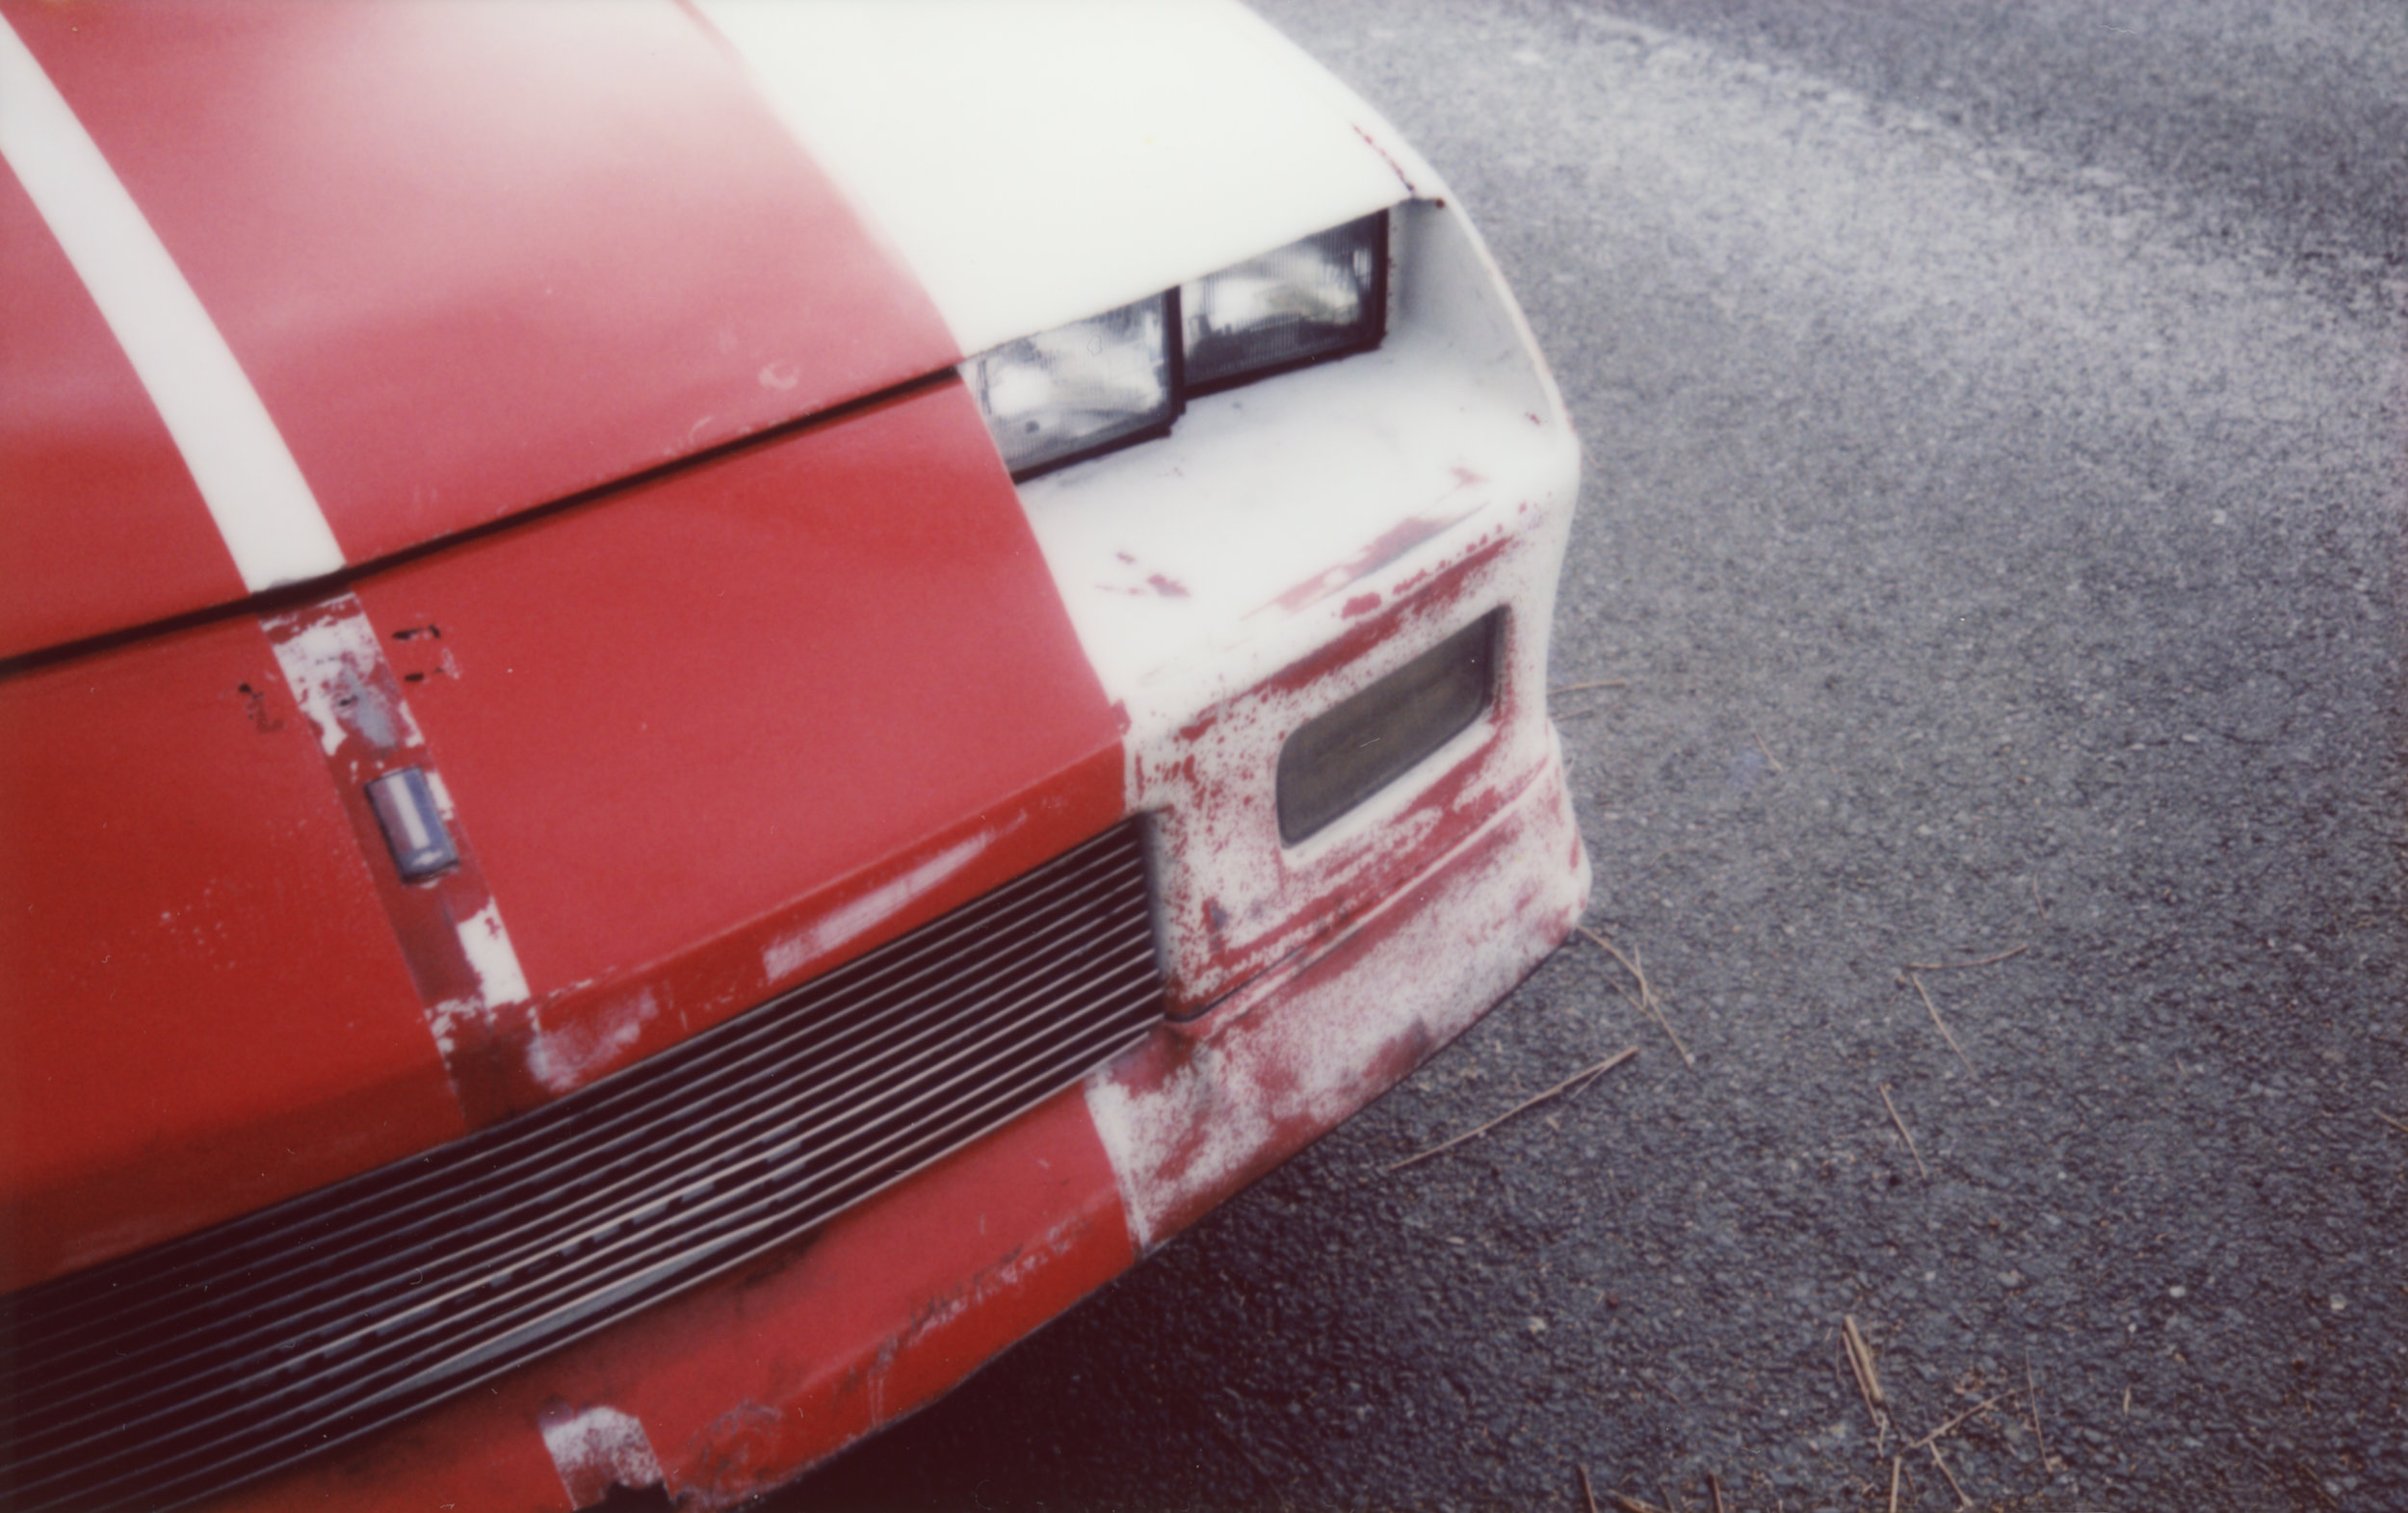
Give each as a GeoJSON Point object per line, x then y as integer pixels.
{"type": "Point", "coordinates": [1167, 587]}
{"type": "Point", "coordinates": [363, 716]}
{"type": "Point", "coordinates": [699, 725]}
{"type": "Point", "coordinates": [1197, 1111]}
{"type": "Point", "coordinates": [1359, 605]}
{"type": "Point", "coordinates": [743, 1384]}
{"type": "Point", "coordinates": [478, 257]}
{"type": "Point", "coordinates": [748, 1381]}
{"type": "Point", "coordinates": [1379, 553]}
{"type": "Point", "coordinates": [1217, 798]}
{"type": "Point", "coordinates": [206, 1008]}
{"type": "Point", "coordinates": [96, 503]}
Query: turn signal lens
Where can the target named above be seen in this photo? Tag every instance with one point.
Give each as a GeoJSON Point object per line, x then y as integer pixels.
{"type": "Point", "coordinates": [1056, 396]}
{"type": "Point", "coordinates": [1319, 297]}
{"type": "Point", "coordinates": [1341, 756]}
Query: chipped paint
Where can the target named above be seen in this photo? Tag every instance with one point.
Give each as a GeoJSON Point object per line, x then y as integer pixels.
{"type": "Point", "coordinates": [1198, 1111]}
{"type": "Point", "coordinates": [449, 928]}
{"type": "Point", "coordinates": [596, 1450]}
{"type": "Point", "coordinates": [486, 944]}
{"type": "Point", "coordinates": [1385, 548]}
{"type": "Point", "coordinates": [330, 661]}
{"type": "Point", "coordinates": [789, 954]}
{"type": "Point", "coordinates": [566, 1057]}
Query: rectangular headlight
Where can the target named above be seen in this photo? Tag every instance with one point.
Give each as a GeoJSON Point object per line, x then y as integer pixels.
{"type": "Point", "coordinates": [1344, 756]}
{"type": "Point", "coordinates": [1059, 395]}
{"type": "Point", "coordinates": [1314, 299]}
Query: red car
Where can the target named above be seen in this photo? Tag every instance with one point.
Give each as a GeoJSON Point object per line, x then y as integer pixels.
{"type": "Point", "coordinates": [706, 704]}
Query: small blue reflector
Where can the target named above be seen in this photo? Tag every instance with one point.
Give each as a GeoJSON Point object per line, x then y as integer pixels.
{"type": "Point", "coordinates": [413, 829]}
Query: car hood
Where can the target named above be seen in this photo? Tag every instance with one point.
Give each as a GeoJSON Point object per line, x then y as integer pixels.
{"type": "Point", "coordinates": [391, 360]}
{"type": "Point", "coordinates": [294, 289]}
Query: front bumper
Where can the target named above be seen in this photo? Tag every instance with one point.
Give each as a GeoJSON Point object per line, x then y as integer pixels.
{"type": "Point", "coordinates": [734, 1388]}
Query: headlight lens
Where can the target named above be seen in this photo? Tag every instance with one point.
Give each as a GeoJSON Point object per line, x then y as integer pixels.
{"type": "Point", "coordinates": [1078, 388]}
{"type": "Point", "coordinates": [1312, 299]}
{"type": "Point", "coordinates": [1113, 378]}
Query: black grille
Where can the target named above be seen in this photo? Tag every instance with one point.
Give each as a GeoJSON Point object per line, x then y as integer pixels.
{"type": "Point", "coordinates": [177, 1372]}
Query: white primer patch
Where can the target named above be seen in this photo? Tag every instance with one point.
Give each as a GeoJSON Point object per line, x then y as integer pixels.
{"type": "Point", "coordinates": [263, 507]}
{"type": "Point", "coordinates": [328, 662]}
{"type": "Point", "coordinates": [598, 1448]}
{"type": "Point", "coordinates": [790, 954]}
{"type": "Point", "coordinates": [487, 947]}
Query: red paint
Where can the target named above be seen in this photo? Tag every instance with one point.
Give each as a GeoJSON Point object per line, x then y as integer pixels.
{"type": "Point", "coordinates": [744, 1383]}
{"type": "Point", "coordinates": [101, 521]}
{"type": "Point", "coordinates": [1221, 796]}
{"type": "Point", "coordinates": [475, 257]}
{"type": "Point", "coordinates": [1167, 587]}
{"type": "Point", "coordinates": [691, 722]}
{"type": "Point", "coordinates": [206, 1010]}
{"type": "Point", "coordinates": [1383, 549]}
{"type": "Point", "coordinates": [482, 1044]}
{"type": "Point", "coordinates": [1197, 1111]}
{"type": "Point", "coordinates": [1361, 604]}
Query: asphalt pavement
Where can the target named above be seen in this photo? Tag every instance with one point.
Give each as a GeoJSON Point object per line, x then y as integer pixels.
{"type": "Point", "coordinates": [1990, 548]}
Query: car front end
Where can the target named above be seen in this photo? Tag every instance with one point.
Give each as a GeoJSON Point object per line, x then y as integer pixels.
{"type": "Point", "coordinates": [942, 663]}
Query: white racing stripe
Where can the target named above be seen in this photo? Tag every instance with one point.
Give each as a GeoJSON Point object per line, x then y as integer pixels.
{"type": "Point", "coordinates": [254, 490]}
{"type": "Point", "coordinates": [1039, 162]}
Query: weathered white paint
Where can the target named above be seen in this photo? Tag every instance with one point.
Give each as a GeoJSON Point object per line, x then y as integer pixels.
{"type": "Point", "coordinates": [263, 507]}
{"type": "Point", "coordinates": [1287, 1055]}
{"type": "Point", "coordinates": [1196, 567]}
{"type": "Point", "coordinates": [595, 1449]}
{"type": "Point", "coordinates": [1041, 161]}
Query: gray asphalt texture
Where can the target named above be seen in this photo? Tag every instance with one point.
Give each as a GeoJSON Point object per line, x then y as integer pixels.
{"type": "Point", "coordinates": [1994, 517]}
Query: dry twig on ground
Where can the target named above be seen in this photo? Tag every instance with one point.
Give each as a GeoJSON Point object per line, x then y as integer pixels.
{"type": "Point", "coordinates": [1903, 1132]}
{"type": "Point", "coordinates": [1587, 1494]}
{"type": "Point", "coordinates": [1647, 997]}
{"type": "Point", "coordinates": [1594, 683]}
{"type": "Point", "coordinates": [1949, 1426]}
{"type": "Point", "coordinates": [1934, 1008]}
{"type": "Point", "coordinates": [1962, 1500]}
{"type": "Point", "coordinates": [1572, 1084]}
{"type": "Point", "coordinates": [1960, 966]}
{"type": "Point", "coordinates": [1765, 749]}
{"type": "Point", "coordinates": [2032, 1401]}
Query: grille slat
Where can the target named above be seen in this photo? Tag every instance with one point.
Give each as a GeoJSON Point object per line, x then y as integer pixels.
{"type": "Point", "coordinates": [177, 1372]}
{"type": "Point", "coordinates": [705, 1142]}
